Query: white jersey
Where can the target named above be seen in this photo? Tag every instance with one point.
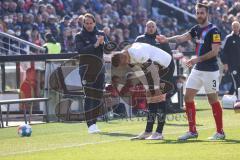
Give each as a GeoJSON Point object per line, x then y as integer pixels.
{"type": "Point", "coordinates": [142, 52]}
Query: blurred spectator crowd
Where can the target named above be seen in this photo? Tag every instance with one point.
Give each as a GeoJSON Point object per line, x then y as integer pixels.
{"type": "Point", "coordinates": [222, 12]}
{"type": "Point", "coordinates": [121, 20]}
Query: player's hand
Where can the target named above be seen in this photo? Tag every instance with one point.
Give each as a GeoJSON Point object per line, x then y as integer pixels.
{"type": "Point", "coordinates": [225, 68]}
{"type": "Point", "coordinates": [192, 61]}
{"type": "Point", "coordinates": [100, 39]}
{"type": "Point", "coordinates": [161, 39]}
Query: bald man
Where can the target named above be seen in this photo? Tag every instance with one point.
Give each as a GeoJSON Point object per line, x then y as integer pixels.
{"type": "Point", "coordinates": [149, 37]}
{"type": "Point", "coordinates": [231, 55]}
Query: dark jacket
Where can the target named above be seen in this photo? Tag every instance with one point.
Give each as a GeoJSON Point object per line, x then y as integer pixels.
{"type": "Point", "coordinates": [85, 41]}
{"type": "Point", "coordinates": [231, 51]}
{"type": "Point", "coordinates": [150, 39]}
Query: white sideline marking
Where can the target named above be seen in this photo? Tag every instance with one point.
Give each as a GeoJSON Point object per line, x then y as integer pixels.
{"type": "Point", "coordinates": [61, 147]}
{"type": "Point", "coordinates": [84, 144]}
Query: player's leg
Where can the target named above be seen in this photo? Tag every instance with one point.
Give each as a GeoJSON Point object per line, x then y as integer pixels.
{"type": "Point", "coordinates": [237, 79]}
{"type": "Point", "coordinates": [161, 117]}
{"type": "Point", "coordinates": [162, 106]}
{"type": "Point", "coordinates": [190, 108]}
{"type": "Point", "coordinates": [193, 85]}
{"type": "Point", "coordinates": [93, 106]}
{"type": "Point", "coordinates": [162, 112]}
{"type": "Point", "coordinates": [152, 111]}
{"type": "Point", "coordinates": [211, 86]}
{"type": "Point", "coordinates": [191, 114]}
{"type": "Point", "coordinates": [153, 107]}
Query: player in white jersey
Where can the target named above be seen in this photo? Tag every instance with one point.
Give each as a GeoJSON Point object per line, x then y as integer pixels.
{"type": "Point", "coordinates": [139, 53]}
{"type": "Point", "coordinates": [157, 68]}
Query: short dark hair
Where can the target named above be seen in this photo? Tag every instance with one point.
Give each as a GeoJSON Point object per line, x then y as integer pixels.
{"type": "Point", "coordinates": [202, 5]}
{"type": "Point", "coordinates": [89, 15]}
{"type": "Point", "coordinates": [115, 77]}
{"type": "Point", "coordinates": [29, 71]}
{"type": "Point", "coordinates": [116, 60]}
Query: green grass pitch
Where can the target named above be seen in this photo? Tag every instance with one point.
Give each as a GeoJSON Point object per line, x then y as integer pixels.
{"type": "Point", "coordinates": [70, 141]}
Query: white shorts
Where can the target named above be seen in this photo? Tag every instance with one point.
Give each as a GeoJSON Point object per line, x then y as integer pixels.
{"type": "Point", "coordinates": [209, 80]}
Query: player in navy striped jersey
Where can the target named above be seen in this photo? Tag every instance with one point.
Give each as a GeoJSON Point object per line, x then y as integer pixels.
{"type": "Point", "coordinates": [205, 70]}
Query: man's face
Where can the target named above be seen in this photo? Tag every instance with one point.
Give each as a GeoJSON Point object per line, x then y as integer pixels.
{"type": "Point", "coordinates": [116, 81]}
{"type": "Point", "coordinates": [66, 21]}
{"type": "Point", "coordinates": [236, 28]}
{"type": "Point", "coordinates": [151, 28]}
{"type": "Point", "coordinates": [31, 75]}
{"type": "Point", "coordinates": [80, 20]}
{"type": "Point", "coordinates": [201, 15]}
{"type": "Point", "coordinates": [89, 24]}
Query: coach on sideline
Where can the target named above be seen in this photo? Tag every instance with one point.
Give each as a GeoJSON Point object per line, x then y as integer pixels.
{"type": "Point", "coordinates": [89, 44]}
{"type": "Point", "coordinates": [231, 54]}
{"type": "Point", "coordinates": [150, 38]}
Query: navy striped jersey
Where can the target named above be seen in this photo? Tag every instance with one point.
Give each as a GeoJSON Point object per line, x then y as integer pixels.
{"type": "Point", "coordinates": [204, 38]}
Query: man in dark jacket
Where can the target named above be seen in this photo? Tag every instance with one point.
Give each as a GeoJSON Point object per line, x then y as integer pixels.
{"type": "Point", "coordinates": [231, 54]}
{"type": "Point", "coordinates": [89, 44]}
{"type": "Point", "coordinates": [156, 108]}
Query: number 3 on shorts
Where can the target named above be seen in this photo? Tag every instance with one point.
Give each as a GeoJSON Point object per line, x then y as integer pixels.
{"type": "Point", "coordinates": [214, 83]}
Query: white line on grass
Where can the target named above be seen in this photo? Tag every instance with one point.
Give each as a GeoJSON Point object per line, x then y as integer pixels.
{"type": "Point", "coordinates": [84, 144]}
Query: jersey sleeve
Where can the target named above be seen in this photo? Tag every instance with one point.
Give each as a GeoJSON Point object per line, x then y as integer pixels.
{"type": "Point", "coordinates": [160, 56]}
{"type": "Point", "coordinates": [215, 36]}
{"type": "Point", "coordinates": [138, 53]}
{"type": "Point", "coordinates": [193, 31]}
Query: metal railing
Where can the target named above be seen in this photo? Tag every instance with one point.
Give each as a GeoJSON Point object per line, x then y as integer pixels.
{"type": "Point", "coordinates": [178, 9]}
{"type": "Point", "coordinates": [11, 45]}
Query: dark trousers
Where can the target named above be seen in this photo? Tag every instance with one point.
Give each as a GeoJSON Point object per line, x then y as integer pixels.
{"type": "Point", "coordinates": [120, 109]}
{"type": "Point", "coordinates": [159, 110]}
{"type": "Point", "coordinates": [93, 105]}
{"type": "Point", "coordinates": [156, 110]}
{"type": "Point", "coordinates": [237, 80]}
{"type": "Point", "coordinates": [169, 78]}
{"type": "Point", "coordinates": [169, 75]}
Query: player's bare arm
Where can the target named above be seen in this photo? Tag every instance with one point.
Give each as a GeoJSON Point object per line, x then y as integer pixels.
{"type": "Point", "coordinates": [213, 53]}
{"type": "Point", "coordinates": [175, 39]}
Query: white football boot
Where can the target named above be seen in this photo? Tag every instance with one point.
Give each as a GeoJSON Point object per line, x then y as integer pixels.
{"type": "Point", "coordinates": [188, 135]}
{"type": "Point", "coordinates": [217, 136]}
{"type": "Point", "coordinates": [93, 129]}
{"type": "Point", "coordinates": [155, 136]}
{"type": "Point", "coordinates": [142, 136]}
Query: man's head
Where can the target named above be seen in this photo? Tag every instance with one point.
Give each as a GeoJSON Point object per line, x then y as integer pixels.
{"type": "Point", "coordinates": [49, 37]}
{"type": "Point", "coordinates": [181, 79]}
{"type": "Point", "coordinates": [89, 22]}
{"type": "Point", "coordinates": [30, 74]}
{"type": "Point", "coordinates": [115, 80]}
{"type": "Point", "coordinates": [236, 27]}
{"type": "Point", "coordinates": [129, 77]}
{"type": "Point", "coordinates": [106, 30]}
{"type": "Point", "coordinates": [66, 19]}
{"type": "Point", "coordinates": [201, 13]}
{"type": "Point", "coordinates": [119, 59]}
{"type": "Point", "coordinates": [151, 27]}
{"type": "Point", "coordinates": [80, 20]}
